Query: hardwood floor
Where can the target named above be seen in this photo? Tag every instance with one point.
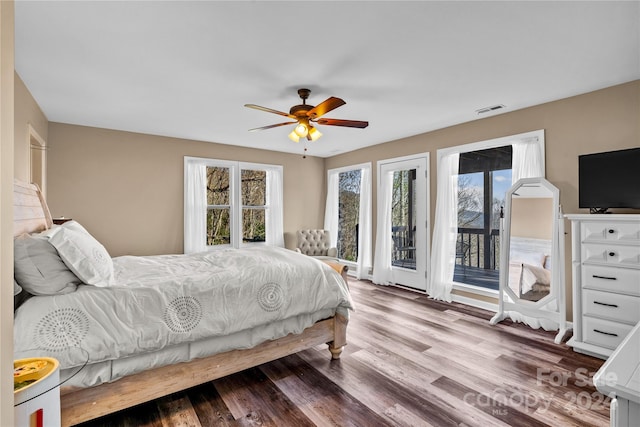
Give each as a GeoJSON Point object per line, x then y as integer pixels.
{"type": "Point", "coordinates": [410, 361]}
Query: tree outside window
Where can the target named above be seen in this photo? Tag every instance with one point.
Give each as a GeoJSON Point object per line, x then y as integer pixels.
{"type": "Point", "coordinates": [253, 191]}
{"type": "Point", "coordinates": [253, 187]}
{"type": "Point", "coordinates": [348, 214]}
{"type": "Point", "coordinates": [218, 206]}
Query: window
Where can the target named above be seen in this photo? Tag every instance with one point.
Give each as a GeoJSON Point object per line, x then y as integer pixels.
{"type": "Point", "coordinates": [230, 204]}
{"type": "Point", "coordinates": [253, 186]}
{"type": "Point", "coordinates": [527, 160]}
{"type": "Point", "coordinates": [348, 215]}
{"type": "Point", "coordinates": [484, 176]}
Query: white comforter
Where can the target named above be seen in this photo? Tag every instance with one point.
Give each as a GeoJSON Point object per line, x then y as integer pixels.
{"type": "Point", "coordinates": [162, 301]}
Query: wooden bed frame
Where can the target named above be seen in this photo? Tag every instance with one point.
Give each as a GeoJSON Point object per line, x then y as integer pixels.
{"type": "Point", "coordinates": [32, 215]}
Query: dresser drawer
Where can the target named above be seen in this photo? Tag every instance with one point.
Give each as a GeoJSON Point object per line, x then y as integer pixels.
{"type": "Point", "coordinates": [611, 279]}
{"type": "Point", "coordinates": [604, 333]}
{"type": "Point", "coordinates": [617, 307]}
{"type": "Point", "coordinates": [611, 254]}
{"type": "Point", "coordinates": [612, 231]}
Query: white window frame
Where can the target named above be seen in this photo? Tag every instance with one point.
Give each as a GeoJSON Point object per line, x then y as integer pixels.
{"type": "Point", "coordinates": [272, 207]}
{"type": "Point", "coordinates": [477, 146]}
{"type": "Point", "coordinates": [365, 249]}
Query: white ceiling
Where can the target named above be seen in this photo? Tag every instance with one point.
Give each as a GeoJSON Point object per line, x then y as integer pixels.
{"type": "Point", "coordinates": [186, 69]}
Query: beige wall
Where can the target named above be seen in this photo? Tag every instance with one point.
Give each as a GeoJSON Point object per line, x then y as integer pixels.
{"type": "Point", "coordinates": [27, 114]}
{"type": "Point", "coordinates": [6, 208]}
{"type": "Point", "coordinates": [607, 119]}
{"type": "Point", "coordinates": [127, 188]}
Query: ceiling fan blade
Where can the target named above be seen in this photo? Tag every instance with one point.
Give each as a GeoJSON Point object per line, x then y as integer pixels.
{"type": "Point", "coordinates": [273, 126]}
{"type": "Point", "coordinates": [325, 106]}
{"type": "Point", "coordinates": [269, 110]}
{"type": "Point", "coordinates": [346, 123]}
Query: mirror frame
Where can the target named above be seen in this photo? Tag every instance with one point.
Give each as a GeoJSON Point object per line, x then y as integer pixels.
{"type": "Point", "coordinates": [505, 245]}
{"type": "Point", "coordinates": [536, 311]}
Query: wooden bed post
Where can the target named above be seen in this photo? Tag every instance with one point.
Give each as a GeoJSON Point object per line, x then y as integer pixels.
{"type": "Point", "coordinates": [340, 336]}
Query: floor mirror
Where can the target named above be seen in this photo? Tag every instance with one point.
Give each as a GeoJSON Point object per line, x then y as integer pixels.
{"type": "Point", "coordinates": [532, 288]}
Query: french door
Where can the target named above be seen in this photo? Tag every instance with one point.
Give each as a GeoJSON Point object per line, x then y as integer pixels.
{"type": "Point", "coordinates": [403, 206]}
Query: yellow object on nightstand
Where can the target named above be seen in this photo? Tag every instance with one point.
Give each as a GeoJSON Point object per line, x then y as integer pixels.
{"type": "Point", "coordinates": [36, 392]}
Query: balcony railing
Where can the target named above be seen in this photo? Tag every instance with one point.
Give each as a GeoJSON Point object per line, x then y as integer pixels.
{"type": "Point", "coordinates": [484, 248]}
{"type": "Point", "coordinates": [483, 264]}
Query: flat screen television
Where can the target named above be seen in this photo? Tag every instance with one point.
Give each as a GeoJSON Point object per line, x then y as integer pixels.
{"type": "Point", "coordinates": [609, 180]}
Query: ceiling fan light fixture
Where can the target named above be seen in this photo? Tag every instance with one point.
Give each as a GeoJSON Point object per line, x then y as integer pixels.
{"type": "Point", "coordinates": [304, 115]}
{"type": "Point", "coordinates": [301, 129]}
{"type": "Point", "coordinates": [314, 133]}
{"type": "Point", "coordinates": [294, 136]}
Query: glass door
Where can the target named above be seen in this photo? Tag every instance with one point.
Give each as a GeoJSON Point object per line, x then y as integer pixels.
{"type": "Point", "coordinates": [406, 191]}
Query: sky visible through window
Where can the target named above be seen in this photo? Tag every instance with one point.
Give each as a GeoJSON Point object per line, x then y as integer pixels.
{"type": "Point", "coordinates": [501, 182]}
{"type": "Point", "coordinates": [471, 198]}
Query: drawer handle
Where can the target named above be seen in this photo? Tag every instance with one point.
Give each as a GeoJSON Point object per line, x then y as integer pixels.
{"type": "Point", "coordinates": [612, 254]}
{"type": "Point", "coordinates": [595, 276]}
{"type": "Point", "coordinates": [611, 231]}
{"type": "Point", "coordinates": [605, 333]}
{"type": "Point", "coordinates": [605, 304]}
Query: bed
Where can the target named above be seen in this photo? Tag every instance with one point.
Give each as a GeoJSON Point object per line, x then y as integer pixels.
{"type": "Point", "coordinates": [529, 266]}
{"type": "Point", "coordinates": [128, 329]}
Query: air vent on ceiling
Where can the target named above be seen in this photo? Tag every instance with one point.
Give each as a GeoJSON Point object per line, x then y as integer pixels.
{"type": "Point", "coordinates": [489, 109]}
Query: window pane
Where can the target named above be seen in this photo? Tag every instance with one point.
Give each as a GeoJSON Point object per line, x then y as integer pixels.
{"type": "Point", "coordinates": [218, 232]}
{"type": "Point", "coordinates": [403, 214]}
{"type": "Point", "coordinates": [253, 187]}
{"type": "Point", "coordinates": [253, 225]}
{"type": "Point", "coordinates": [348, 214]}
{"type": "Point", "coordinates": [471, 200]}
{"type": "Point", "coordinates": [501, 181]}
{"type": "Point", "coordinates": [217, 186]}
{"type": "Point", "coordinates": [485, 176]}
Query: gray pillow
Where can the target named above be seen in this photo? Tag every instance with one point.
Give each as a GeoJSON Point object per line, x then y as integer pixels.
{"type": "Point", "coordinates": [39, 269]}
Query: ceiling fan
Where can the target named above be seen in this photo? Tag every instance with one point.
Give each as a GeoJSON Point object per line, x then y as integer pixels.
{"type": "Point", "coordinates": [306, 115]}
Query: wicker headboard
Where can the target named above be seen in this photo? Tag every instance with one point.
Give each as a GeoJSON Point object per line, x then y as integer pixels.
{"type": "Point", "coordinates": [30, 211]}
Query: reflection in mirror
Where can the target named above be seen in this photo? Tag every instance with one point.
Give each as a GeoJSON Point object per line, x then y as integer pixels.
{"type": "Point", "coordinates": [531, 234]}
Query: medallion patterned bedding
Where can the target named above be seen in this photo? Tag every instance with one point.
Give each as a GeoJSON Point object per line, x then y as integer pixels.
{"type": "Point", "coordinates": [158, 310]}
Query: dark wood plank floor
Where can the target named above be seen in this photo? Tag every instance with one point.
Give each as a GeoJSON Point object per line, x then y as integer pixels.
{"type": "Point", "coordinates": [410, 361]}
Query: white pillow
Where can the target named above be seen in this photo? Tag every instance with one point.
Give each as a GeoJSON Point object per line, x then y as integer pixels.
{"type": "Point", "coordinates": [524, 257]}
{"type": "Point", "coordinates": [83, 254]}
{"type": "Point", "coordinates": [532, 275]}
{"type": "Point", "coordinates": [38, 269]}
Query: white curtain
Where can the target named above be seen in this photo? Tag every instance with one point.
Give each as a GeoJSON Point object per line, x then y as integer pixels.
{"type": "Point", "coordinates": [274, 217]}
{"type": "Point", "coordinates": [382, 272]}
{"type": "Point", "coordinates": [527, 160]}
{"type": "Point", "coordinates": [195, 206]}
{"type": "Point", "coordinates": [364, 225]}
{"type": "Point", "coordinates": [445, 231]}
{"type": "Point", "coordinates": [332, 206]}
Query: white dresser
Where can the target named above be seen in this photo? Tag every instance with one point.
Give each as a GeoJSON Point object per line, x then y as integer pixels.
{"type": "Point", "coordinates": [606, 280]}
